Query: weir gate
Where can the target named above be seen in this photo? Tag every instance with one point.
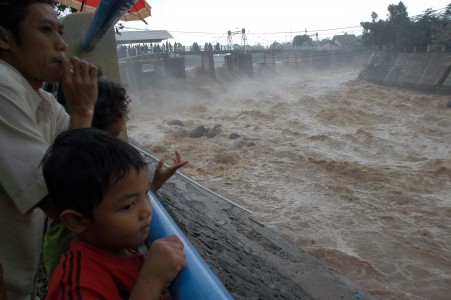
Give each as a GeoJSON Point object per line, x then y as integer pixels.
{"type": "Point", "coordinates": [168, 69]}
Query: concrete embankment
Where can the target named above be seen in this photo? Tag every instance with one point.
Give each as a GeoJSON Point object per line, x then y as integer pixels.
{"type": "Point", "coordinates": [251, 260]}
{"type": "Point", "coordinates": [422, 71]}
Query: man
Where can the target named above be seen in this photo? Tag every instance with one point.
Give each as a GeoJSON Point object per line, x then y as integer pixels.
{"type": "Point", "coordinates": [32, 51]}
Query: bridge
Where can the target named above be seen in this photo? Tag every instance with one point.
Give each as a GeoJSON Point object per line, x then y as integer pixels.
{"type": "Point", "coordinates": [168, 68]}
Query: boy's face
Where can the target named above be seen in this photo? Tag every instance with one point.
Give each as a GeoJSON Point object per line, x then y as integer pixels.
{"type": "Point", "coordinates": [39, 57]}
{"type": "Point", "coordinates": [116, 128]}
{"type": "Point", "coordinates": [122, 219]}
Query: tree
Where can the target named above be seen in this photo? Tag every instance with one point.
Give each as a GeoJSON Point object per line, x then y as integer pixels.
{"type": "Point", "coordinates": [400, 25]}
{"type": "Point", "coordinates": [63, 10]}
{"type": "Point", "coordinates": [302, 41]}
{"type": "Point", "coordinates": [374, 16]}
{"type": "Point", "coordinates": [195, 47]}
{"type": "Point", "coordinates": [433, 28]}
{"type": "Point", "coordinates": [275, 46]}
{"type": "Point", "coordinates": [257, 47]}
{"type": "Point", "coordinates": [400, 31]}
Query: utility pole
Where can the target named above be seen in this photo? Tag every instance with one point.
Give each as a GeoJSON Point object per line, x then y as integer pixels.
{"type": "Point", "coordinates": [243, 38]}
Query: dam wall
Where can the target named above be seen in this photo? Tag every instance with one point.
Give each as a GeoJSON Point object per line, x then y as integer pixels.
{"type": "Point", "coordinates": [167, 70]}
{"type": "Point", "coordinates": [428, 71]}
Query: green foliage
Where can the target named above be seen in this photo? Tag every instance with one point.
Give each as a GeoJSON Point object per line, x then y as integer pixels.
{"type": "Point", "coordinates": [400, 31]}
{"type": "Point", "coordinates": [195, 47]}
{"type": "Point", "coordinates": [302, 40]}
{"type": "Point", "coordinates": [62, 10]}
{"type": "Point", "coordinates": [257, 47]}
{"type": "Point", "coordinates": [275, 46]}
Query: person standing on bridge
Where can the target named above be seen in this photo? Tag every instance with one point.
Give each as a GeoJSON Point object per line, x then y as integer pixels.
{"type": "Point", "coordinates": [32, 51]}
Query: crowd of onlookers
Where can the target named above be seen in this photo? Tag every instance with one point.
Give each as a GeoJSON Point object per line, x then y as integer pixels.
{"type": "Point", "coordinates": [142, 49]}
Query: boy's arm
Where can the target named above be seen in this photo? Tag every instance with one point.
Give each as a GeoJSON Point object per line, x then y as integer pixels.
{"type": "Point", "coordinates": [162, 173]}
{"type": "Point", "coordinates": [164, 261]}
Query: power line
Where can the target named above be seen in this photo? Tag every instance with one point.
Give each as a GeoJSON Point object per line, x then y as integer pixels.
{"type": "Point", "coordinates": [303, 31]}
{"type": "Point", "coordinates": [334, 30]}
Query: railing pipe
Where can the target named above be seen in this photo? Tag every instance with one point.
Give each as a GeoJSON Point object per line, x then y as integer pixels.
{"type": "Point", "coordinates": [107, 14]}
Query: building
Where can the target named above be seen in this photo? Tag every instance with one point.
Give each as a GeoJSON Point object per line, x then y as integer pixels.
{"type": "Point", "coordinates": [345, 40]}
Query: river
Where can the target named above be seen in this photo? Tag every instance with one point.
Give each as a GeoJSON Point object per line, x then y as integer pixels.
{"type": "Point", "coordinates": [356, 174]}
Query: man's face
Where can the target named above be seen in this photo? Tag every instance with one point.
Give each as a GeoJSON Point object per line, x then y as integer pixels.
{"type": "Point", "coordinates": [40, 55]}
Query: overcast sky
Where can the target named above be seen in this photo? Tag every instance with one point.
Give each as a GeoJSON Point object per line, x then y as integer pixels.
{"type": "Point", "coordinates": [266, 21]}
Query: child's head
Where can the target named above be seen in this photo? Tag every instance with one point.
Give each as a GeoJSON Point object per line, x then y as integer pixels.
{"type": "Point", "coordinates": [99, 183]}
{"type": "Point", "coordinates": [111, 110]}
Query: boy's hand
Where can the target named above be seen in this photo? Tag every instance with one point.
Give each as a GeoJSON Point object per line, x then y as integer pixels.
{"type": "Point", "coordinates": [162, 173]}
{"type": "Point", "coordinates": [165, 259]}
{"type": "Point", "coordinates": [163, 262]}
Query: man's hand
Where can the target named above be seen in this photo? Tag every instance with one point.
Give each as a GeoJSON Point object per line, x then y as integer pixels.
{"type": "Point", "coordinates": [163, 173]}
{"type": "Point", "coordinates": [79, 86]}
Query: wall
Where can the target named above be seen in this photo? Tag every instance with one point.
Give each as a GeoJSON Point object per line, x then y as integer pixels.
{"type": "Point", "coordinates": [422, 71]}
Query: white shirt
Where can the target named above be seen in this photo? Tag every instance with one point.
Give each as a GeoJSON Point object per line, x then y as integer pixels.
{"type": "Point", "coordinates": [29, 122]}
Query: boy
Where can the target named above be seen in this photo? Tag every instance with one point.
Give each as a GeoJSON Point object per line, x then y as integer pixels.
{"type": "Point", "coordinates": [110, 113]}
{"type": "Point", "coordinates": [100, 185]}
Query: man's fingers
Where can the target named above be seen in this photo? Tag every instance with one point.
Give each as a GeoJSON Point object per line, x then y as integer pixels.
{"type": "Point", "coordinates": [93, 70]}
{"type": "Point", "coordinates": [82, 68]}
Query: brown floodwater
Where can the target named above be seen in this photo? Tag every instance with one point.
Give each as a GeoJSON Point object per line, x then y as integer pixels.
{"type": "Point", "coordinates": [356, 174]}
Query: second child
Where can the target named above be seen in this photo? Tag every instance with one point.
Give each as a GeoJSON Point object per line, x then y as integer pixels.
{"type": "Point", "coordinates": [99, 184]}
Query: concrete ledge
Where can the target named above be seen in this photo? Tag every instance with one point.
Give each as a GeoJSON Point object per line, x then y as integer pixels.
{"type": "Point", "coordinates": [433, 76]}
{"type": "Point", "coordinates": [423, 71]}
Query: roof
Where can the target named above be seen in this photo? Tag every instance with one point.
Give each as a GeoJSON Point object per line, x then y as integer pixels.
{"type": "Point", "coordinates": [144, 36]}
{"type": "Point", "coordinates": [345, 39]}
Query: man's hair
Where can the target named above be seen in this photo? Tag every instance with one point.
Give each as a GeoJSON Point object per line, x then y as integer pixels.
{"type": "Point", "coordinates": [13, 12]}
{"type": "Point", "coordinates": [112, 104]}
{"type": "Point", "coordinates": [82, 164]}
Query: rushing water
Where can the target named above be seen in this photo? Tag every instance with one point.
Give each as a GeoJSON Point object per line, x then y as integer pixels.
{"type": "Point", "coordinates": [356, 174]}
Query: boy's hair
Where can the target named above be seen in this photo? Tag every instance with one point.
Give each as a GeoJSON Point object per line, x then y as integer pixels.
{"type": "Point", "coordinates": [111, 105]}
{"type": "Point", "coordinates": [13, 12]}
{"type": "Point", "coordinates": [83, 163]}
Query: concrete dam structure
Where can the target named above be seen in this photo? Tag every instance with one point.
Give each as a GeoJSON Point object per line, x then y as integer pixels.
{"type": "Point", "coordinates": [423, 71]}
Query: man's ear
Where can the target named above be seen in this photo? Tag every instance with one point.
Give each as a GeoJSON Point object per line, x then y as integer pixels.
{"type": "Point", "coordinates": [5, 38]}
{"type": "Point", "coordinates": [74, 220]}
